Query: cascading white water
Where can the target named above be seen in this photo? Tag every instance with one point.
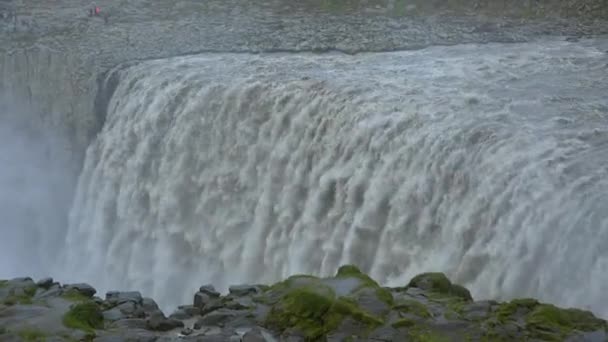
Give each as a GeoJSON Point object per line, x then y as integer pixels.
{"type": "Point", "coordinates": [486, 162]}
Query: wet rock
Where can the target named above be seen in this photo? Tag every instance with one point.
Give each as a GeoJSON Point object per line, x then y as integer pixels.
{"type": "Point", "coordinates": [592, 336]}
{"type": "Point", "coordinates": [220, 316]}
{"type": "Point", "coordinates": [368, 300]}
{"type": "Point", "coordinates": [254, 335]}
{"type": "Point", "coordinates": [244, 290]}
{"type": "Point", "coordinates": [130, 323]}
{"type": "Point", "coordinates": [149, 305]}
{"type": "Point", "coordinates": [239, 303]}
{"type": "Point", "coordinates": [477, 311]}
{"type": "Point", "coordinates": [54, 291]}
{"type": "Point", "coordinates": [128, 308]}
{"type": "Point", "coordinates": [211, 306]}
{"type": "Point", "coordinates": [209, 290]}
{"type": "Point", "coordinates": [201, 299]}
{"type": "Point", "coordinates": [45, 283]}
{"type": "Point", "coordinates": [113, 315]}
{"type": "Point", "coordinates": [180, 314]}
{"type": "Point", "coordinates": [116, 297]}
{"type": "Point", "coordinates": [439, 283]}
{"type": "Point", "coordinates": [190, 310]}
{"type": "Point", "coordinates": [82, 288]}
{"type": "Point", "coordinates": [258, 334]}
{"type": "Point", "coordinates": [186, 331]}
{"type": "Point", "coordinates": [157, 321]}
{"type": "Point", "coordinates": [387, 333]}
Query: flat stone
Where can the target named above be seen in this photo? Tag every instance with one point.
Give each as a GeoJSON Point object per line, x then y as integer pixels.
{"type": "Point", "coordinates": [84, 289]}
{"type": "Point", "coordinates": [209, 290]}
{"type": "Point", "coordinates": [244, 290]}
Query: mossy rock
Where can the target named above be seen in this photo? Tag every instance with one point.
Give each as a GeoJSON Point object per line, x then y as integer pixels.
{"type": "Point", "coordinates": [438, 283]}
{"type": "Point", "coordinates": [352, 271]}
{"type": "Point", "coordinates": [315, 312]}
{"type": "Point", "coordinates": [506, 310]}
{"type": "Point", "coordinates": [403, 323]}
{"type": "Point", "coordinates": [86, 316]}
{"type": "Point", "coordinates": [413, 307]}
{"type": "Point", "coordinates": [74, 296]}
{"type": "Point", "coordinates": [547, 320]}
{"type": "Point", "coordinates": [32, 335]}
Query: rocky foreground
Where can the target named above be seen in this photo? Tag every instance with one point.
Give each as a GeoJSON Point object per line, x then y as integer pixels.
{"type": "Point", "coordinates": [347, 307]}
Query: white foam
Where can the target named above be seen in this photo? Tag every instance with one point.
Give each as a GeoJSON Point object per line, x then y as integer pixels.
{"type": "Point", "coordinates": [237, 168]}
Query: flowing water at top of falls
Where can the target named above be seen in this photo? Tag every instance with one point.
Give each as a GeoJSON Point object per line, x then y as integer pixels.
{"type": "Point", "coordinates": [487, 162]}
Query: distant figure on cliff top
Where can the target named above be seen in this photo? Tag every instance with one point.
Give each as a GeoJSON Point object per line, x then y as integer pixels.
{"type": "Point", "coordinates": [95, 11]}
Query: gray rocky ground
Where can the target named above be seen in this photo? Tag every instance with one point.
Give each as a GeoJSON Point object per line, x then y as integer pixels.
{"type": "Point", "coordinates": [349, 306]}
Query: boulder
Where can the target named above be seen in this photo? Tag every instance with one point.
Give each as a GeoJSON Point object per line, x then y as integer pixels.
{"type": "Point", "coordinates": [201, 299]}
{"type": "Point", "coordinates": [82, 288]}
{"type": "Point", "coordinates": [54, 291]}
{"type": "Point", "coordinates": [209, 290]}
{"type": "Point", "coordinates": [45, 283]}
{"type": "Point", "coordinates": [149, 305]}
{"type": "Point", "coordinates": [116, 297]}
{"type": "Point", "coordinates": [114, 315]}
{"type": "Point", "coordinates": [157, 321]}
{"type": "Point", "coordinates": [180, 314]}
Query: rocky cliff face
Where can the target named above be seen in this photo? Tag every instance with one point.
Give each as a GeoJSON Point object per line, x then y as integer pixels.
{"type": "Point", "coordinates": [349, 306]}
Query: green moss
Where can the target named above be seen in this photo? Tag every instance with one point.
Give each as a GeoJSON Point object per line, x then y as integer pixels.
{"type": "Point", "coordinates": [420, 334]}
{"type": "Point", "coordinates": [351, 271]}
{"type": "Point", "coordinates": [403, 323]}
{"type": "Point", "coordinates": [547, 321]}
{"type": "Point", "coordinates": [24, 298]}
{"type": "Point", "coordinates": [506, 310]}
{"type": "Point", "coordinates": [74, 296]}
{"type": "Point", "coordinates": [3, 330]}
{"type": "Point", "coordinates": [21, 299]}
{"type": "Point", "coordinates": [3, 283]}
{"type": "Point", "coordinates": [438, 283]}
{"type": "Point", "coordinates": [315, 312]}
{"type": "Point", "coordinates": [413, 307]}
{"type": "Point", "coordinates": [385, 295]}
{"type": "Point", "coordinates": [31, 335]}
{"type": "Point", "coordinates": [85, 316]}
{"type": "Point", "coordinates": [30, 291]}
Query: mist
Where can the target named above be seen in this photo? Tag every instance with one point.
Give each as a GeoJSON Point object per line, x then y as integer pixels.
{"type": "Point", "coordinates": [35, 191]}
